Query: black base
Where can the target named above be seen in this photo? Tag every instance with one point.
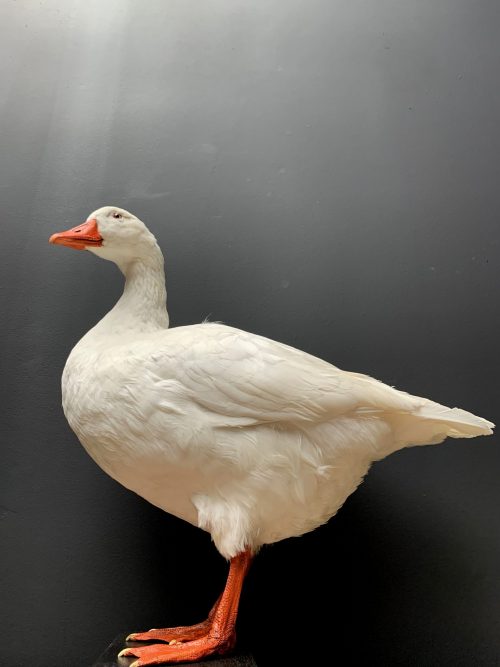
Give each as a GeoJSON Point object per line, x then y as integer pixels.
{"type": "Point", "coordinates": [109, 657]}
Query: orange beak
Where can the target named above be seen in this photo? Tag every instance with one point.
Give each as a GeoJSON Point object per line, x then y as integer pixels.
{"type": "Point", "coordinates": [79, 237]}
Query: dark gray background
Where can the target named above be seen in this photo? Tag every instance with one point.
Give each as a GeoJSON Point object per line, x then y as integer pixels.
{"type": "Point", "coordinates": [320, 172]}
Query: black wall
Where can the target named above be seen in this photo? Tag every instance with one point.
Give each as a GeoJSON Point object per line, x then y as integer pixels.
{"type": "Point", "coordinates": [321, 172]}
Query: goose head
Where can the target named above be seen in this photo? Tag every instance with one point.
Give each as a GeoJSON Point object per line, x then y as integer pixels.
{"type": "Point", "coordinates": [111, 233]}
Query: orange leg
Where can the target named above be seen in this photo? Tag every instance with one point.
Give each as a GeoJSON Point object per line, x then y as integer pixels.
{"type": "Point", "coordinates": [215, 635]}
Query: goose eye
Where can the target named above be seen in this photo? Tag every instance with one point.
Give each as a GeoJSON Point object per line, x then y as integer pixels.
{"type": "Point", "coordinates": [117, 216]}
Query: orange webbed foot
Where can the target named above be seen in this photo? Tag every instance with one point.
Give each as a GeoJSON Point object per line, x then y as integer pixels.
{"type": "Point", "coordinates": [216, 635]}
{"type": "Point", "coordinates": [190, 651]}
{"type": "Point", "coordinates": [183, 633]}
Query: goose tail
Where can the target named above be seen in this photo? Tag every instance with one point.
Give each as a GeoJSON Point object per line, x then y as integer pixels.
{"type": "Point", "coordinates": [432, 423]}
{"type": "Point", "coordinates": [459, 423]}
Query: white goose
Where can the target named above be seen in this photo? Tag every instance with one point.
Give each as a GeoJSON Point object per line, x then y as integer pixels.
{"type": "Point", "coordinates": [247, 438]}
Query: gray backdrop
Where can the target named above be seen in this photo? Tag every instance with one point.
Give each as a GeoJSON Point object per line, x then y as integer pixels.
{"type": "Point", "coordinates": [321, 172]}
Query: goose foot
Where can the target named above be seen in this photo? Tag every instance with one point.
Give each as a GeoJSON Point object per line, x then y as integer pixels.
{"type": "Point", "coordinates": [181, 634]}
{"type": "Point", "coordinates": [190, 651]}
{"type": "Point", "coordinates": [193, 642]}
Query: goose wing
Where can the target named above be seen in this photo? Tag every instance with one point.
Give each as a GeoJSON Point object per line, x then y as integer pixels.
{"type": "Point", "coordinates": [246, 377]}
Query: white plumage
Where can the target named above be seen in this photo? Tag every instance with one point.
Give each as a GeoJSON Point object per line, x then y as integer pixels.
{"type": "Point", "coordinates": [247, 438]}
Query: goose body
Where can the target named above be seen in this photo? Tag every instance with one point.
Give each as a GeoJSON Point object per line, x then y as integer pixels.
{"type": "Point", "coordinates": [247, 438]}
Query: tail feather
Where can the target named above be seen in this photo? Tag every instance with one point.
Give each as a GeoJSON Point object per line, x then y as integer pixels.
{"type": "Point", "coordinates": [432, 423]}
{"type": "Point", "coordinates": [460, 423]}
